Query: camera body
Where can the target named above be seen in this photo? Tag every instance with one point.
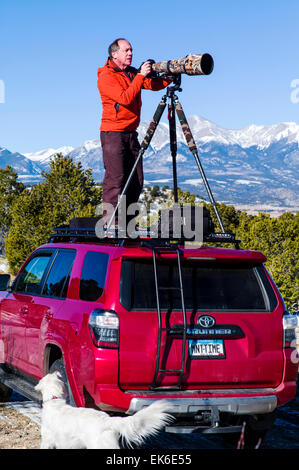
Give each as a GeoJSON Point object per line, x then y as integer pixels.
{"type": "Point", "coordinates": [152, 74]}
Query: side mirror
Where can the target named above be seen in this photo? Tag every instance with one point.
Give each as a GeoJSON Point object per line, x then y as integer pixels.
{"type": "Point", "coordinates": [4, 281]}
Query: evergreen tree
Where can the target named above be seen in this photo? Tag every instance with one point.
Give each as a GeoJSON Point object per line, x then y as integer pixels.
{"type": "Point", "coordinates": [284, 268]}
{"type": "Point", "coordinates": [10, 188]}
{"type": "Point", "coordinates": [229, 215]}
{"type": "Point", "coordinates": [278, 239]}
{"type": "Point", "coordinates": [66, 191]}
{"type": "Point", "coordinates": [155, 191]}
{"type": "Point", "coordinates": [31, 225]}
{"type": "Point", "coordinates": [185, 197]}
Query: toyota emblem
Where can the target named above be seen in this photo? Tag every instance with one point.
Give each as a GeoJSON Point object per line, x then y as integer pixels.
{"type": "Point", "coordinates": [206, 321]}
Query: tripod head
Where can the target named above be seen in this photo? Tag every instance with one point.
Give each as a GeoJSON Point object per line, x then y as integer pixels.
{"type": "Point", "coordinates": [176, 79]}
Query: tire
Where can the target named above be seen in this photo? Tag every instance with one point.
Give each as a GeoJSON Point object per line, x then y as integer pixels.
{"type": "Point", "coordinates": [5, 393]}
{"type": "Point", "coordinates": [59, 366]}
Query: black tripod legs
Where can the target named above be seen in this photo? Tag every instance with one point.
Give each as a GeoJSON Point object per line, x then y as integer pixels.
{"type": "Point", "coordinates": [192, 146]}
{"type": "Point", "coordinates": [174, 106]}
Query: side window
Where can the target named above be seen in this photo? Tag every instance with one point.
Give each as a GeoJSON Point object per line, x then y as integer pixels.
{"type": "Point", "coordinates": [93, 275]}
{"type": "Point", "coordinates": [58, 278]}
{"type": "Point", "coordinates": [31, 277]}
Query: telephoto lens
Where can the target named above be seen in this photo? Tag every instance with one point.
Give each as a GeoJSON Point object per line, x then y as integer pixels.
{"type": "Point", "coordinates": [192, 64]}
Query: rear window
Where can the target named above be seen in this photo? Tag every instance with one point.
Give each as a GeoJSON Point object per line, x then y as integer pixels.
{"type": "Point", "coordinates": [57, 281]}
{"type": "Point", "coordinates": [93, 275]}
{"type": "Point", "coordinates": [207, 286]}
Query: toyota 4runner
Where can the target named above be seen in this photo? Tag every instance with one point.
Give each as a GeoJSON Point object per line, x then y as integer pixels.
{"type": "Point", "coordinates": [128, 322]}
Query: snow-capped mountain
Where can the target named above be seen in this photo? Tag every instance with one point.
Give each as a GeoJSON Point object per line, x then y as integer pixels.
{"type": "Point", "coordinates": [44, 155]}
{"type": "Point", "coordinates": [252, 166]}
{"type": "Point", "coordinates": [205, 131]}
{"type": "Point", "coordinates": [27, 169]}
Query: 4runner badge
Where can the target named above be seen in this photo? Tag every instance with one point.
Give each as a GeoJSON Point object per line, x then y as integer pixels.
{"type": "Point", "coordinates": [206, 321]}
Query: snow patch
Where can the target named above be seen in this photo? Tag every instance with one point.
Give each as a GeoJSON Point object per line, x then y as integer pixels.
{"type": "Point", "coordinates": [247, 182]}
{"type": "Point", "coordinates": [27, 408]}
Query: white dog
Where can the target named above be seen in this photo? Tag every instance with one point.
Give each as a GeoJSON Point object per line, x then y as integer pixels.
{"type": "Point", "coordinates": [67, 427]}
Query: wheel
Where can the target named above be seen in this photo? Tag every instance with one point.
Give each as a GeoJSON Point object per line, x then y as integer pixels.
{"type": "Point", "coordinates": [59, 366]}
{"type": "Point", "coordinates": [5, 392]}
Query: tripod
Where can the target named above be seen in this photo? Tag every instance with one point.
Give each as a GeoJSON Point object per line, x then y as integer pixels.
{"type": "Point", "coordinates": [173, 106]}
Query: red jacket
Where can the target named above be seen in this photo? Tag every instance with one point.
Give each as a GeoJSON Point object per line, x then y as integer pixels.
{"type": "Point", "coordinates": [121, 96]}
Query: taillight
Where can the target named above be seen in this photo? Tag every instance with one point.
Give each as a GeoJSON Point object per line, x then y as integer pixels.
{"type": "Point", "coordinates": [104, 328]}
{"type": "Point", "coordinates": [289, 325]}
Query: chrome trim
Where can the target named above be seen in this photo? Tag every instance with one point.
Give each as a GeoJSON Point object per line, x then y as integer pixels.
{"type": "Point", "coordinates": [234, 405]}
{"type": "Point", "coordinates": [203, 430]}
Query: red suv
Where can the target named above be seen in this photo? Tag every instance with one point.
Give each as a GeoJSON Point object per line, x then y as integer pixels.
{"type": "Point", "coordinates": [133, 321]}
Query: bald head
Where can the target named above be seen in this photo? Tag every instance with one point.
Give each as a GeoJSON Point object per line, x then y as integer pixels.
{"type": "Point", "coordinates": [121, 53]}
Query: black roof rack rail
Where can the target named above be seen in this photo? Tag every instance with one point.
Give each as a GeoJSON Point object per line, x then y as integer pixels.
{"type": "Point", "coordinates": [75, 235]}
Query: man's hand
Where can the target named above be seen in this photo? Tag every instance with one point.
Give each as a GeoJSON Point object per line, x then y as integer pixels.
{"type": "Point", "coordinates": [145, 68]}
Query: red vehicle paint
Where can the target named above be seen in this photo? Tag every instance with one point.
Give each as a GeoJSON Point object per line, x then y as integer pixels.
{"type": "Point", "coordinates": [90, 308]}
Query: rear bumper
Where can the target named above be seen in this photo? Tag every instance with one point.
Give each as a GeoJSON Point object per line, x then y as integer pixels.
{"type": "Point", "coordinates": [188, 402]}
{"type": "Point", "coordinates": [233, 405]}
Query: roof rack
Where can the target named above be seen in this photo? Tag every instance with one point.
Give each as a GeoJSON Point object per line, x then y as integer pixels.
{"type": "Point", "coordinates": [76, 235]}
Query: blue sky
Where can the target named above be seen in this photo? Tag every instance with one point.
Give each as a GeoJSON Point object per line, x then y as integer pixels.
{"type": "Point", "coordinates": [51, 50]}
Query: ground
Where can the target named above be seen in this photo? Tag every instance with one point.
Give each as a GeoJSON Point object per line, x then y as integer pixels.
{"type": "Point", "coordinates": [17, 431]}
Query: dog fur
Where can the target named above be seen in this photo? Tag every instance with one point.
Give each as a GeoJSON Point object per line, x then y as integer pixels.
{"type": "Point", "coordinates": [67, 427]}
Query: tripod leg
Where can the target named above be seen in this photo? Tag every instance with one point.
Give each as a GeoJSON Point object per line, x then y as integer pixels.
{"type": "Point", "coordinates": [144, 145]}
{"type": "Point", "coordinates": [173, 146]}
{"type": "Point", "coordinates": [154, 123]}
{"type": "Point", "coordinates": [192, 146]}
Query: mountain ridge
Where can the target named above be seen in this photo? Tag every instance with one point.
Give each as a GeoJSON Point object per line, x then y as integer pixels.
{"type": "Point", "coordinates": [251, 166]}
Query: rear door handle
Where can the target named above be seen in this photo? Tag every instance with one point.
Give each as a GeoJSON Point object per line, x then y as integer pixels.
{"type": "Point", "coordinates": [48, 315]}
{"type": "Point", "coordinates": [24, 310]}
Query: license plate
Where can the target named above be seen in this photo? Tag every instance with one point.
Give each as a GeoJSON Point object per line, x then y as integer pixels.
{"type": "Point", "coordinates": [206, 349]}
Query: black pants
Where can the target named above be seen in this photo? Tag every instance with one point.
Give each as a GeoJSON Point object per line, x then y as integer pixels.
{"type": "Point", "coordinates": [120, 151]}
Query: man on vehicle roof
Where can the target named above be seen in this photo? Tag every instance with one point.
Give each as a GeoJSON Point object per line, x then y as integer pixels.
{"type": "Point", "coordinates": [120, 87]}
